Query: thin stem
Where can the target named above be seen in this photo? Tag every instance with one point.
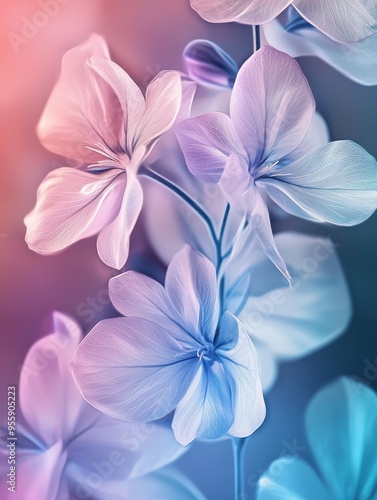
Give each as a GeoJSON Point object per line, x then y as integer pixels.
{"type": "Point", "coordinates": [256, 37]}
{"type": "Point", "coordinates": [223, 224]}
{"type": "Point", "coordinates": [184, 196]}
{"type": "Point", "coordinates": [239, 446]}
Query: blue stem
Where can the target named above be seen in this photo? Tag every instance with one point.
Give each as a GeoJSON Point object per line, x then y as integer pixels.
{"type": "Point", "coordinates": [256, 38]}
{"type": "Point", "coordinates": [239, 446]}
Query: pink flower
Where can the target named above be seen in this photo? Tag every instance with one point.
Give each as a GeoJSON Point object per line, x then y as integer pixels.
{"type": "Point", "coordinates": [99, 118]}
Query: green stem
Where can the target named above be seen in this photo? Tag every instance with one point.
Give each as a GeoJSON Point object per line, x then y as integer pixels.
{"type": "Point", "coordinates": [239, 446]}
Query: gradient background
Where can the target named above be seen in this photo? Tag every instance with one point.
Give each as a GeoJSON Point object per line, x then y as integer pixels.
{"type": "Point", "coordinates": [146, 36]}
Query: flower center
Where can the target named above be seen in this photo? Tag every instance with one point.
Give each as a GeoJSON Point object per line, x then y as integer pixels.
{"type": "Point", "coordinates": [207, 352]}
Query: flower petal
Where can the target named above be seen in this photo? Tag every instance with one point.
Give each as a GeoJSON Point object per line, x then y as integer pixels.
{"type": "Point", "coordinates": [114, 239]}
{"type": "Point", "coordinates": [205, 410]}
{"type": "Point", "coordinates": [81, 111]}
{"type": "Point", "coordinates": [341, 20]}
{"type": "Point", "coordinates": [293, 322]}
{"type": "Point", "coordinates": [242, 193]}
{"type": "Point", "coordinates": [163, 103]}
{"type": "Point", "coordinates": [207, 141]}
{"type": "Point", "coordinates": [192, 288]}
{"type": "Point", "coordinates": [241, 364]}
{"type": "Point", "coordinates": [341, 421]}
{"type": "Point", "coordinates": [271, 106]}
{"type": "Point", "coordinates": [45, 378]}
{"type": "Point", "coordinates": [291, 477]}
{"type": "Point", "coordinates": [354, 60]}
{"type": "Point", "coordinates": [128, 93]}
{"type": "Point", "coordinates": [165, 484]}
{"type": "Point", "coordinates": [209, 64]}
{"type": "Point", "coordinates": [39, 474]}
{"type": "Point", "coordinates": [242, 11]}
{"type": "Point", "coordinates": [72, 205]}
{"type": "Point", "coordinates": [336, 183]}
{"type": "Point", "coordinates": [132, 369]}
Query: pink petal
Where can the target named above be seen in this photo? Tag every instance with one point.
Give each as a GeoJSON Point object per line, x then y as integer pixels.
{"type": "Point", "coordinates": [271, 105]}
{"type": "Point", "coordinates": [242, 11]}
{"type": "Point", "coordinates": [114, 239]}
{"type": "Point", "coordinates": [130, 97]}
{"type": "Point", "coordinates": [49, 400]}
{"type": "Point", "coordinates": [163, 104]}
{"type": "Point", "coordinates": [72, 205]}
{"type": "Point", "coordinates": [38, 474]}
{"type": "Point", "coordinates": [82, 110]}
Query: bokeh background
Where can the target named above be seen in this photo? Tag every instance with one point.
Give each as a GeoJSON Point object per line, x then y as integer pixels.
{"type": "Point", "coordinates": [146, 36]}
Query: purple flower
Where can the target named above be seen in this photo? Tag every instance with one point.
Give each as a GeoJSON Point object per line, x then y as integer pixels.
{"type": "Point", "coordinates": [263, 149]}
{"type": "Point", "coordinates": [67, 449]}
{"type": "Point", "coordinates": [173, 351]}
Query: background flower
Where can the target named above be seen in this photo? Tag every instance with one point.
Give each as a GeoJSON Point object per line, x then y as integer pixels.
{"type": "Point", "coordinates": [65, 446]}
{"type": "Point", "coordinates": [340, 424]}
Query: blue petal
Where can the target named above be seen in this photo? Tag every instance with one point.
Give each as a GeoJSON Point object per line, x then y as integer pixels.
{"type": "Point", "coordinates": [295, 321]}
{"type": "Point", "coordinates": [291, 478]}
{"type": "Point", "coordinates": [341, 423]}
{"type": "Point", "coordinates": [209, 64]}
{"type": "Point", "coordinates": [356, 61]}
{"type": "Point", "coordinates": [335, 183]}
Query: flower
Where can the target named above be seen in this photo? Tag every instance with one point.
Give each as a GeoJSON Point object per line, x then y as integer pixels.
{"type": "Point", "coordinates": [356, 60]}
{"type": "Point", "coordinates": [341, 20]}
{"type": "Point", "coordinates": [173, 352]}
{"type": "Point", "coordinates": [262, 149]}
{"type": "Point", "coordinates": [340, 423]}
{"type": "Point", "coordinates": [287, 322]}
{"type": "Point", "coordinates": [98, 117]}
{"type": "Point", "coordinates": [67, 449]}
{"type": "Point", "coordinates": [209, 64]}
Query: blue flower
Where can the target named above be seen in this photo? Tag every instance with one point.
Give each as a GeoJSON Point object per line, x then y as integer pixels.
{"type": "Point", "coordinates": [173, 351]}
{"type": "Point", "coordinates": [341, 423]}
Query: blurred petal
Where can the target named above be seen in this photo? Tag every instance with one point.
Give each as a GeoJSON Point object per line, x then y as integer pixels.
{"type": "Point", "coordinates": [209, 64]}
{"type": "Point", "coordinates": [341, 423]}
{"type": "Point", "coordinates": [166, 484]}
{"type": "Point", "coordinates": [242, 11]}
{"type": "Point", "coordinates": [341, 20]}
{"type": "Point", "coordinates": [291, 477]}
{"type": "Point", "coordinates": [206, 409]}
{"type": "Point", "coordinates": [45, 378]}
{"type": "Point", "coordinates": [292, 322]}
{"type": "Point", "coordinates": [207, 141]}
{"type": "Point", "coordinates": [81, 108]}
{"type": "Point", "coordinates": [268, 366]}
{"type": "Point", "coordinates": [192, 288]}
{"type": "Point", "coordinates": [336, 183]}
{"type": "Point", "coordinates": [354, 60]}
{"type": "Point", "coordinates": [271, 106]}
{"type": "Point", "coordinates": [132, 369]}
{"type": "Point", "coordinates": [114, 239]}
{"type": "Point", "coordinates": [72, 205]}
{"type": "Point", "coordinates": [39, 474]}
{"type": "Point", "coordinates": [241, 364]}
